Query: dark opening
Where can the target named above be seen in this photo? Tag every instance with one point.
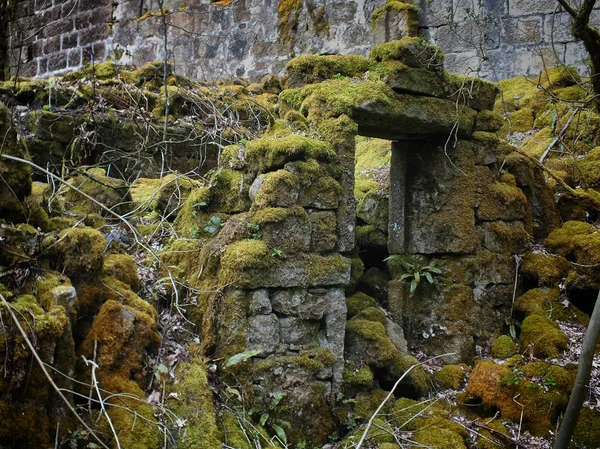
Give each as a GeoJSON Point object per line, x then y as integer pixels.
{"type": "Point", "coordinates": [583, 299]}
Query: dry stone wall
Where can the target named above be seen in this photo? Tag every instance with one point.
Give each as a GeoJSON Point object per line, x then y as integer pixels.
{"type": "Point", "coordinates": [209, 40]}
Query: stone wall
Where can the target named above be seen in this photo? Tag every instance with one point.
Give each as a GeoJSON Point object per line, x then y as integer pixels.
{"type": "Point", "coordinates": [208, 40]}
{"type": "Point", "coordinates": [502, 38]}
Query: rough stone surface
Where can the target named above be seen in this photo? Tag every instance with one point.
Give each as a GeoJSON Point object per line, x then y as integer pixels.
{"type": "Point", "coordinates": [247, 38]}
{"type": "Point", "coordinates": [263, 333]}
{"type": "Point", "coordinates": [259, 303]}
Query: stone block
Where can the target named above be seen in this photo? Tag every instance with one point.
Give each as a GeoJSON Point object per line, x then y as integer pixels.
{"type": "Point", "coordinates": [499, 201]}
{"type": "Point", "coordinates": [528, 7]}
{"type": "Point", "coordinates": [275, 189]}
{"type": "Point", "coordinates": [289, 234]}
{"type": "Point", "coordinates": [296, 331]}
{"type": "Point", "coordinates": [440, 220]}
{"type": "Point", "coordinates": [557, 28]}
{"type": "Point", "coordinates": [391, 24]}
{"type": "Point", "coordinates": [309, 305]}
{"type": "Point", "coordinates": [505, 237]}
{"type": "Point", "coordinates": [524, 31]}
{"type": "Point", "coordinates": [263, 333]}
{"type": "Point", "coordinates": [259, 304]}
{"type": "Point", "coordinates": [323, 227]}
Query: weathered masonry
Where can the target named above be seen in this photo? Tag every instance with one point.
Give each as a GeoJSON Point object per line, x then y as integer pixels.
{"type": "Point", "coordinates": [210, 40]}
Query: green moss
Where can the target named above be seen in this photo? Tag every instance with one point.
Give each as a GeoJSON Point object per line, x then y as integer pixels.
{"type": "Point", "coordinates": [369, 237]}
{"type": "Point", "coordinates": [547, 269]}
{"type": "Point", "coordinates": [81, 252]}
{"type": "Point", "coordinates": [366, 403]}
{"type": "Point", "coordinates": [362, 186]}
{"type": "Point", "coordinates": [372, 314]}
{"type": "Point", "coordinates": [380, 432]}
{"type": "Point", "coordinates": [112, 193]}
{"type": "Point", "coordinates": [268, 154]}
{"type": "Point", "coordinates": [547, 302]}
{"type": "Point", "coordinates": [233, 433]}
{"type": "Point", "coordinates": [198, 200]}
{"type": "Point", "coordinates": [489, 121]}
{"type": "Point", "coordinates": [439, 438]}
{"type": "Point", "coordinates": [358, 302]}
{"type": "Point", "coordinates": [503, 347]}
{"type": "Point", "coordinates": [375, 335]}
{"type": "Point", "coordinates": [123, 268]}
{"type": "Point", "coordinates": [314, 69]}
{"type": "Point", "coordinates": [412, 51]}
{"type": "Point", "coordinates": [105, 70]}
{"type": "Point", "coordinates": [278, 189]}
{"type": "Point", "coordinates": [577, 241]}
{"type": "Point", "coordinates": [372, 153]}
{"type": "Point", "coordinates": [320, 269]}
{"type": "Point", "coordinates": [194, 403]}
{"type": "Point", "coordinates": [543, 336]}
{"type": "Point", "coordinates": [535, 145]}
{"type": "Point", "coordinates": [277, 214]}
{"type": "Point", "coordinates": [502, 201]}
{"type": "Point", "coordinates": [590, 167]}
{"type": "Point", "coordinates": [230, 191]}
{"type": "Point", "coordinates": [452, 376]}
{"type": "Point", "coordinates": [244, 256]}
{"type": "Point", "coordinates": [358, 376]}
{"type": "Point", "coordinates": [357, 268]}
{"type": "Point", "coordinates": [587, 429]}
{"type": "Point", "coordinates": [163, 195]}
{"type": "Point", "coordinates": [398, 6]}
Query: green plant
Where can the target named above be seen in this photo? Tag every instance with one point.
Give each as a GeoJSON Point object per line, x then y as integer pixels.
{"type": "Point", "coordinates": [213, 224]}
{"type": "Point", "coordinates": [512, 378]}
{"type": "Point", "coordinates": [254, 231]}
{"type": "Point", "coordinates": [415, 272]}
{"type": "Point", "coordinates": [268, 416]}
{"type": "Point", "coordinates": [276, 252]}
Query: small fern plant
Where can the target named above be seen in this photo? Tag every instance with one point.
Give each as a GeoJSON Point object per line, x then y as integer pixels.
{"type": "Point", "coordinates": [415, 273]}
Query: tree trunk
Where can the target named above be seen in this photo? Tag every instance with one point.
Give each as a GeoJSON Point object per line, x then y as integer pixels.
{"type": "Point", "coordinates": [581, 382]}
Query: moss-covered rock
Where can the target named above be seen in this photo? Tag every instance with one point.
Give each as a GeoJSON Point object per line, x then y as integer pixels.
{"type": "Point", "coordinates": [275, 189]}
{"type": "Point", "coordinates": [359, 302]}
{"type": "Point", "coordinates": [267, 153]}
{"type": "Point", "coordinates": [546, 269]}
{"type": "Point", "coordinates": [110, 192]}
{"type": "Point", "coordinates": [191, 400]}
{"type": "Point", "coordinates": [497, 385]}
{"type": "Point", "coordinates": [503, 347]}
{"type": "Point", "coordinates": [502, 202]}
{"type": "Point", "coordinates": [123, 268]}
{"type": "Point", "coordinates": [452, 376]}
{"type": "Point", "coordinates": [543, 336]}
{"type": "Point", "coordinates": [81, 252]}
{"type": "Point", "coordinates": [313, 69]}
{"type": "Point", "coordinates": [413, 51]}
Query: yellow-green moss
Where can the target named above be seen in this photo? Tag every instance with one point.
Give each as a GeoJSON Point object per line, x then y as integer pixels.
{"type": "Point", "coordinates": [452, 376]}
{"type": "Point", "coordinates": [312, 69]}
{"type": "Point", "coordinates": [123, 268]}
{"type": "Point", "coordinates": [380, 432]}
{"type": "Point", "coordinates": [372, 153]}
{"type": "Point", "coordinates": [81, 252]}
{"type": "Point", "coordinates": [398, 6]}
{"type": "Point", "coordinates": [439, 437]}
{"type": "Point", "coordinates": [194, 404]}
{"type": "Point", "coordinates": [503, 347]}
{"type": "Point", "coordinates": [199, 199]}
{"type": "Point", "coordinates": [269, 154]}
{"type": "Point", "coordinates": [358, 302]}
{"type": "Point", "coordinates": [547, 269]}
{"type": "Point", "coordinates": [279, 189]}
{"type": "Point", "coordinates": [371, 314]}
{"type": "Point", "coordinates": [587, 429]}
{"type": "Point", "coordinates": [576, 240]}
{"type": "Point", "coordinates": [412, 51]}
{"type": "Point", "coordinates": [233, 433]}
{"type": "Point", "coordinates": [369, 237]}
{"type": "Point", "coordinates": [543, 336]}
{"type": "Point", "coordinates": [366, 403]}
{"type": "Point", "coordinates": [243, 256]}
{"type": "Point", "coordinates": [288, 12]}
{"type": "Point", "coordinates": [361, 376]}
{"type": "Point", "coordinates": [374, 333]}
